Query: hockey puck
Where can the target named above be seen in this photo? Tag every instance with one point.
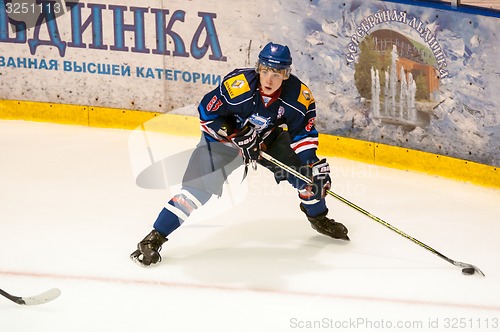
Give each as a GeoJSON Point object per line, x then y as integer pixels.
{"type": "Point", "coordinates": [468, 271]}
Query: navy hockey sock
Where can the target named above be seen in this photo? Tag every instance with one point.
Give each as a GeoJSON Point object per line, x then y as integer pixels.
{"type": "Point", "coordinates": [166, 222]}
{"type": "Point", "coordinates": [314, 209]}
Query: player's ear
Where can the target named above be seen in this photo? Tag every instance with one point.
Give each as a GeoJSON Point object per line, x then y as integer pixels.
{"type": "Point", "coordinates": [286, 73]}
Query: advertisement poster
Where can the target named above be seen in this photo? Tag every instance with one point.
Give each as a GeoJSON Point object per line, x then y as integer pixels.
{"type": "Point", "coordinates": [410, 76]}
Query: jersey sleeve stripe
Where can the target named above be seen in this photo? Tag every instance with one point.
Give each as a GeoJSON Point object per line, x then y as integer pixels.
{"type": "Point", "coordinates": [211, 135]}
{"type": "Point", "coordinates": [305, 144]}
{"type": "Point", "coordinates": [205, 128]}
{"type": "Point", "coordinates": [292, 107]}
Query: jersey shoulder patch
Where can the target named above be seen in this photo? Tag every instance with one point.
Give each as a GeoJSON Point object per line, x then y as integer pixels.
{"type": "Point", "coordinates": [236, 85]}
{"type": "Point", "coordinates": [305, 96]}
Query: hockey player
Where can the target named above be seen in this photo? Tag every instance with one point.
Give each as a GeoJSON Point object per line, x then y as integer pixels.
{"type": "Point", "coordinates": [244, 114]}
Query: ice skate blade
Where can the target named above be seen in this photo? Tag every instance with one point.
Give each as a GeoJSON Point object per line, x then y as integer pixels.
{"type": "Point", "coordinates": [139, 262]}
{"type": "Point", "coordinates": [135, 257]}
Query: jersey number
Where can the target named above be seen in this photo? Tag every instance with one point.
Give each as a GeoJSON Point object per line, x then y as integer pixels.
{"type": "Point", "coordinates": [214, 104]}
{"type": "Point", "coordinates": [310, 124]}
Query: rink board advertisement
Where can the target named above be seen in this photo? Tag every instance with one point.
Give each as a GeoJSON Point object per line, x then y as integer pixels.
{"type": "Point", "coordinates": [113, 54]}
{"type": "Point", "coordinates": [409, 76]}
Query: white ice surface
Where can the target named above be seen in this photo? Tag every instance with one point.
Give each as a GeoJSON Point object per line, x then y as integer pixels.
{"type": "Point", "coordinates": [71, 213]}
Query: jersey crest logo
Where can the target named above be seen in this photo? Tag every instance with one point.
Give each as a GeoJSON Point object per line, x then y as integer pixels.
{"type": "Point", "coordinates": [305, 97]}
{"type": "Point", "coordinates": [259, 122]}
{"type": "Point", "coordinates": [237, 85]}
{"type": "Point", "coordinates": [281, 112]}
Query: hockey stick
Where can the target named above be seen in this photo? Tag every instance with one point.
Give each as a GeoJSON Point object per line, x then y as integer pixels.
{"type": "Point", "coordinates": [466, 268]}
{"type": "Point", "coordinates": [45, 297]}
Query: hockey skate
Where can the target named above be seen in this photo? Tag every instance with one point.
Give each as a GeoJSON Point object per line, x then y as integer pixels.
{"type": "Point", "coordinates": [148, 250]}
{"type": "Point", "coordinates": [326, 226]}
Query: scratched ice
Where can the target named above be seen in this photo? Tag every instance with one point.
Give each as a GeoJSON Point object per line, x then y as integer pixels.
{"type": "Point", "coordinates": [71, 213]}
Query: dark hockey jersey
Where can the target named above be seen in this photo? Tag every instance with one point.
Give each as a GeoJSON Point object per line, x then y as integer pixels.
{"type": "Point", "coordinates": [238, 99]}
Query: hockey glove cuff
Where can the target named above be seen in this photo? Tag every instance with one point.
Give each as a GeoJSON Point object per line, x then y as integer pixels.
{"type": "Point", "coordinates": [321, 181]}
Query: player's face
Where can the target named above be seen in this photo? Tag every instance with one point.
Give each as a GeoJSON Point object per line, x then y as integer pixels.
{"type": "Point", "coordinates": [270, 79]}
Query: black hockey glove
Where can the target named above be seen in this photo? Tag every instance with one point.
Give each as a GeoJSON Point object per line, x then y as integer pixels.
{"type": "Point", "coordinates": [320, 172]}
{"type": "Point", "coordinates": [248, 141]}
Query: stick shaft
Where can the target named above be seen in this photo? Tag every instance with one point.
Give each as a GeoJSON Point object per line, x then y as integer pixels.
{"type": "Point", "coordinates": [368, 214]}
{"type": "Point", "coordinates": [13, 298]}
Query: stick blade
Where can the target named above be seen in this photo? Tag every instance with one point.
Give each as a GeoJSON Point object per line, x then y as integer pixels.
{"type": "Point", "coordinates": [45, 297]}
{"type": "Point", "coordinates": [465, 265]}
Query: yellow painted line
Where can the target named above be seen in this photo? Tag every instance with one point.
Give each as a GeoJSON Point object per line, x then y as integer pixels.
{"type": "Point", "coordinates": [174, 124]}
{"type": "Point", "coordinates": [430, 163]}
{"type": "Point", "coordinates": [368, 152]}
{"type": "Point", "coordinates": [346, 148]}
{"type": "Point", "coordinates": [43, 112]}
{"type": "Point", "coordinates": [407, 159]}
{"type": "Point", "coordinates": [117, 118]}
